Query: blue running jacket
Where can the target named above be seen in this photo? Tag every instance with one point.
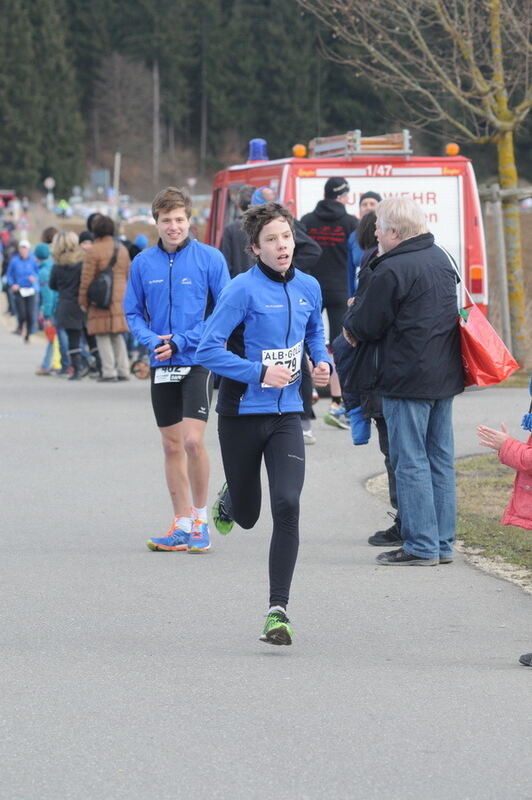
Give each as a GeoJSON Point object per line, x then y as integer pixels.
{"type": "Point", "coordinates": [166, 295]}
{"type": "Point", "coordinates": [265, 319]}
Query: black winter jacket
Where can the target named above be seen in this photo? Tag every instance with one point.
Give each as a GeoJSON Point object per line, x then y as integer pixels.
{"type": "Point", "coordinates": [409, 310]}
{"type": "Point", "coordinates": [234, 247]}
{"type": "Point", "coordinates": [65, 279]}
{"type": "Point", "coordinates": [330, 225]}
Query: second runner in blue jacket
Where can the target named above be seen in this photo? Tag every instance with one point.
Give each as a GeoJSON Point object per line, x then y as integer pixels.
{"type": "Point", "coordinates": [172, 293]}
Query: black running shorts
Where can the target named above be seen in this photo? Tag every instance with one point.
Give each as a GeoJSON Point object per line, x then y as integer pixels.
{"type": "Point", "coordinates": [188, 397]}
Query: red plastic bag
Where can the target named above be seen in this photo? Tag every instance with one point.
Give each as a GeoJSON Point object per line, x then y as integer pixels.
{"type": "Point", "coordinates": [50, 332]}
{"type": "Point", "coordinates": [486, 358]}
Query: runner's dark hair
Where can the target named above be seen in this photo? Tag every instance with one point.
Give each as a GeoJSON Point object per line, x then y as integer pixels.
{"type": "Point", "coordinates": [256, 217]}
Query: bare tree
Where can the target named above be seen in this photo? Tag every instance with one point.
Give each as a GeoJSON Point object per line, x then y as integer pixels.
{"type": "Point", "coordinates": [123, 105]}
{"type": "Point", "coordinates": [460, 66]}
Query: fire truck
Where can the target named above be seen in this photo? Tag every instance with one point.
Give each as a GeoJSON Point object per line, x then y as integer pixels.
{"type": "Point", "coordinates": [444, 186]}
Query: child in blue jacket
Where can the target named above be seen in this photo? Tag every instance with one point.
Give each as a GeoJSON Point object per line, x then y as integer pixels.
{"type": "Point", "coordinates": [256, 339]}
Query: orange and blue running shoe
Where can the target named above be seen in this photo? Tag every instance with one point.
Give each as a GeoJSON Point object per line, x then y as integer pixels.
{"type": "Point", "coordinates": [175, 539]}
{"type": "Point", "coordinates": [199, 539]}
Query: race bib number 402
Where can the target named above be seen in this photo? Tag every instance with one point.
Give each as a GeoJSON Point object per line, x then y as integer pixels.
{"type": "Point", "coordinates": [290, 358]}
{"type": "Point", "coordinates": [170, 374]}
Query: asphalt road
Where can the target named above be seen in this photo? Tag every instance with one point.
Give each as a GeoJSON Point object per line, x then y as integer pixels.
{"type": "Point", "coordinates": [132, 674]}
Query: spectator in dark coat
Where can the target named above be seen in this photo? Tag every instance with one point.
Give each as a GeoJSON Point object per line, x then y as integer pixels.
{"type": "Point", "coordinates": [234, 244]}
{"type": "Point", "coordinates": [64, 279]}
{"type": "Point", "coordinates": [409, 315]}
{"type": "Point", "coordinates": [107, 324]}
{"type": "Point", "coordinates": [330, 226]}
{"type": "Point", "coordinates": [367, 402]}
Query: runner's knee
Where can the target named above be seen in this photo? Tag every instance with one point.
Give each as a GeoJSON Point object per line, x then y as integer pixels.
{"type": "Point", "coordinates": [247, 519]}
{"type": "Point", "coordinates": [285, 506]}
{"type": "Point", "coordinates": [172, 447]}
{"type": "Point", "coordinates": [193, 444]}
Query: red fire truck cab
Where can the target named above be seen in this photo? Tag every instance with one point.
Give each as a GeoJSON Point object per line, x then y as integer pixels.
{"type": "Point", "coordinates": [445, 187]}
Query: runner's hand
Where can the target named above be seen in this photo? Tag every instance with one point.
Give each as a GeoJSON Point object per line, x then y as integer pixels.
{"type": "Point", "coordinates": [321, 374]}
{"type": "Point", "coordinates": [163, 352]}
{"type": "Point", "coordinates": [277, 376]}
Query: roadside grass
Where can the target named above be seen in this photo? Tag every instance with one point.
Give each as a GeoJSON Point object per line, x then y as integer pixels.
{"type": "Point", "coordinates": [484, 486]}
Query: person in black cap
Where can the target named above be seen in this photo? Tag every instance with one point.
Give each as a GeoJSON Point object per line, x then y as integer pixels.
{"type": "Point", "coordinates": [368, 202]}
{"type": "Point", "coordinates": [330, 226]}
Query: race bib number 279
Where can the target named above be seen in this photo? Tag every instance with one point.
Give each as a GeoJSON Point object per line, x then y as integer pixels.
{"type": "Point", "coordinates": [289, 357]}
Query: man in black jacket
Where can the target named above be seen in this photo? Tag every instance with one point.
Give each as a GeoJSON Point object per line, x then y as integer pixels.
{"type": "Point", "coordinates": [330, 226]}
{"type": "Point", "coordinates": [409, 316]}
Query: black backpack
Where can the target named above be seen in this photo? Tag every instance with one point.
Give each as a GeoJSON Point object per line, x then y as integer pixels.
{"type": "Point", "coordinates": [100, 291]}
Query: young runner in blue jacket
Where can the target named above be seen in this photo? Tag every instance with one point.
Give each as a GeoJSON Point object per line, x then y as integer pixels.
{"type": "Point", "coordinates": [267, 316]}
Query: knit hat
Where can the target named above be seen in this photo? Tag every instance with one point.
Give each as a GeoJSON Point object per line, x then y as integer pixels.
{"type": "Point", "coordinates": [86, 236]}
{"type": "Point", "coordinates": [526, 422]}
{"type": "Point", "coordinates": [42, 251]}
{"type": "Point", "coordinates": [24, 243]}
{"type": "Point", "coordinates": [374, 196]}
{"type": "Point", "coordinates": [335, 187]}
{"type": "Point", "coordinates": [141, 240]}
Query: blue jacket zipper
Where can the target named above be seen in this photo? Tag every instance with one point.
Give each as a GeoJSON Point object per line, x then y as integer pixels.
{"type": "Point", "coordinates": [289, 305]}
{"type": "Point", "coordinates": [171, 263]}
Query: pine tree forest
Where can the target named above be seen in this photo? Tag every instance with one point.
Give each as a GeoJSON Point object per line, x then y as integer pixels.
{"type": "Point", "coordinates": [177, 87]}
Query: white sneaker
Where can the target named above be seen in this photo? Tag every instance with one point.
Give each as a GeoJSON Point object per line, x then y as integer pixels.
{"type": "Point", "coordinates": [308, 437]}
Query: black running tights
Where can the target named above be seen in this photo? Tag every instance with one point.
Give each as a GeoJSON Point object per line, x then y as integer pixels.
{"type": "Point", "coordinates": [244, 441]}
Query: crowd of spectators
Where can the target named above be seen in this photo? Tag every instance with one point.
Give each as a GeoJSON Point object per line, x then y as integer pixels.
{"type": "Point", "coordinates": [46, 290]}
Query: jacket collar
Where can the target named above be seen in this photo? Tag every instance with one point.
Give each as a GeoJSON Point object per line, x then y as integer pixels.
{"type": "Point", "coordinates": [276, 276]}
{"type": "Point", "coordinates": [412, 245]}
{"type": "Point", "coordinates": [179, 247]}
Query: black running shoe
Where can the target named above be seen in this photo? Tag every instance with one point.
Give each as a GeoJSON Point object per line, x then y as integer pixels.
{"type": "Point", "coordinates": [400, 558]}
{"type": "Point", "coordinates": [391, 537]}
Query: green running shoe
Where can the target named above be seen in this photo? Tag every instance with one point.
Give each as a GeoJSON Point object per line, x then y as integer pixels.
{"type": "Point", "coordinates": [221, 511]}
{"type": "Point", "coordinates": [276, 629]}
{"type": "Point", "coordinates": [336, 417]}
